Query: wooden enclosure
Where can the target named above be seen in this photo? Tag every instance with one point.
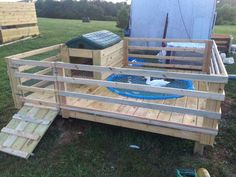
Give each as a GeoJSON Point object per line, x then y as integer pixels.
{"type": "Point", "coordinates": [17, 20]}
{"type": "Point", "coordinates": [223, 42]}
{"type": "Point", "coordinates": [195, 116]}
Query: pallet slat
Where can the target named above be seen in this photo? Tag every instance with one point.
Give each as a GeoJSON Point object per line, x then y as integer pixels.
{"type": "Point", "coordinates": [20, 133]}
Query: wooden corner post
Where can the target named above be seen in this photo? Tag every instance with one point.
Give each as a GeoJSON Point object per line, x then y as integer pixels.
{"type": "Point", "coordinates": [64, 54]}
{"type": "Point", "coordinates": [214, 106]}
{"type": "Point", "coordinates": [207, 57]}
{"type": "Point", "coordinates": [16, 94]}
{"type": "Point", "coordinates": [126, 43]}
{"type": "Point", "coordinates": [97, 59]}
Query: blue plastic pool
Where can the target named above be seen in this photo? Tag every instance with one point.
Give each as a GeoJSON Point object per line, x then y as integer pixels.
{"type": "Point", "coordinates": [183, 84]}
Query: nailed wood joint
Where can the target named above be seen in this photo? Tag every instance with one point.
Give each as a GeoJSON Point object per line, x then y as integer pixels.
{"type": "Point", "coordinates": [19, 133]}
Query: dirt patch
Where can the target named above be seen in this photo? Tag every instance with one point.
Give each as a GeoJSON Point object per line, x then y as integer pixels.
{"type": "Point", "coordinates": [226, 107]}
{"type": "Point", "coordinates": [70, 130]}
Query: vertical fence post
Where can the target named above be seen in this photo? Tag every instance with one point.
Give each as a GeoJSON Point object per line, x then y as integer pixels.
{"type": "Point", "coordinates": [60, 86]}
{"type": "Point", "coordinates": [214, 106]}
{"type": "Point", "coordinates": [126, 43]}
{"type": "Point", "coordinates": [207, 56]}
{"type": "Point", "coordinates": [16, 94]}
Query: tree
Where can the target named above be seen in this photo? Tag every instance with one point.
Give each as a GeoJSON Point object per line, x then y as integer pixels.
{"type": "Point", "coordinates": [73, 9]}
{"type": "Point", "coordinates": [226, 15]}
{"type": "Point", "coordinates": [123, 18]}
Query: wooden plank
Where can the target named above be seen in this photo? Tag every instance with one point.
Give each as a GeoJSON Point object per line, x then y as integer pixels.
{"type": "Point", "coordinates": [163, 115]}
{"type": "Point", "coordinates": [20, 127]}
{"type": "Point", "coordinates": [191, 119]}
{"type": "Point", "coordinates": [20, 141]}
{"type": "Point", "coordinates": [35, 76]}
{"type": "Point", "coordinates": [138, 87]}
{"type": "Point", "coordinates": [189, 49]}
{"type": "Point", "coordinates": [191, 103]}
{"type": "Point", "coordinates": [140, 72]}
{"type": "Point", "coordinates": [215, 64]}
{"type": "Point", "coordinates": [128, 71]}
{"type": "Point", "coordinates": [126, 43]}
{"type": "Point", "coordinates": [199, 59]}
{"type": "Point", "coordinates": [17, 13]}
{"type": "Point", "coordinates": [14, 152]}
{"type": "Point", "coordinates": [160, 65]}
{"type": "Point", "coordinates": [30, 145]}
{"type": "Point", "coordinates": [83, 53]}
{"type": "Point", "coordinates": [12, 34]}
{"type": "Point", "coordinates": [207, 56]}
{"type": "Point", "coordinates": [20, 133]}
{"type": "Point", "coordinates": [166, 40]}
{"type": "Point", "coordinates": [141, 120]}
{"type": "Point", "coordinates": [30, 119]}
{"type": "Point", "coordinates": [212, 115]}
{"type": "Point", "coordinates": [13, 124]}
{"type": "Point", "coordinates": [219, 60]}
{"type": "Point", "coordinates": [35, 52]}
{"type": "Point", "coordinates": [178, 117]}
{"type": "Point", "coordinates": [40, 102]}
{"type": "Point", "coordinates": [13, 83]}
{"type": "Point", "coordinates": [42, 72]}
{"type": "Point", "coordinates": [135, 125]}
{"type": "Point", "coordinates": [111, 50]}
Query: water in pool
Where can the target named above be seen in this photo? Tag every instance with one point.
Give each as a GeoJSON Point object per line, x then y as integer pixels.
{"type": "Point", "coordinates": [181, 84]}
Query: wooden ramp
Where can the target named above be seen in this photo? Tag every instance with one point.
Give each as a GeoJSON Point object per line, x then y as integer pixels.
{"type": "Point", "coordinates": [25, 130]}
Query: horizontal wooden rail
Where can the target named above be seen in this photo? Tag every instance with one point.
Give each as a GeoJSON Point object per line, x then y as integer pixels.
{"type": "Point", "coordinates": [166, 40]}
{"type": "Point", "coordinates": [35, 76]}
{"type": "Point", "coordinates": [162, 107]}
{"type": "Point", "coordinates": [35, 52]}
{"type": "Point", "coordinates": [219, 60]}
{"type": "Point", "coordinates": [127, 71]}
{"type": "Point", "coordinates": [207, 131]}
{"type": "Point", "coordinates": [160, 65]}
{"type": "Point", "coordinates": [138, 87]}
{"type": "Point", "coordinates": [199, 59]}
{"type": "Point", "coordinates": [27, 67]}
{"type": "Point", "coordinates": [174, 49]}
{"type": "Point", "coordinates": [42, 72]}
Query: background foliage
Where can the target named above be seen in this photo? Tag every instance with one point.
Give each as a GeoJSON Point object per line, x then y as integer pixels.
{"type": "Point", "coordinates": [108, 11]}
{"type": "Point", "coordinates": [69, 9]}
{"type": "Point", "coordinates": [226, 12]}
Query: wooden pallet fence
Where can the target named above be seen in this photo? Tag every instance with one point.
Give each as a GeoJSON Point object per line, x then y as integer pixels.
{"type": "Point", "coordinates": [63, 79]}
{"type": "Point", "coordinates": [17, 20]}
{"type": "Point", "coordinates": [211, 76]}
{"type": "Point", "coordinates": [141, 50]}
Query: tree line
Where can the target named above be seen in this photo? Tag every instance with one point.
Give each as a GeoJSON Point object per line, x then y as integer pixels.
{"type": "Point", "coordinates": [71, 9]}
{"type": "Point", "coordinates": [108, 11]}
{"type": "Point", "coordinates": [226, 12]}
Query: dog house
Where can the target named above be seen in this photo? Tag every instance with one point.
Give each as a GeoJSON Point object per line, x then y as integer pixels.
{"type": "Point", "coordinates": [102, 48]}
{"type": "Point", "coordinates": [17, 20]}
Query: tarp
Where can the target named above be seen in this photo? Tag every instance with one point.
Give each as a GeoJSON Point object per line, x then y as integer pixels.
{"type": "Point", "coordinates": [187, 18]}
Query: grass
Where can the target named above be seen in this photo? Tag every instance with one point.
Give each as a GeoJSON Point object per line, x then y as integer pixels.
{"type": "Point", "coordinates": [229, 29]}
{"type": "Point", "coordinates": [79, 148]}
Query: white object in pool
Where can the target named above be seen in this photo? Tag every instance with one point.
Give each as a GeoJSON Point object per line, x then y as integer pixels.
{"type": "Point", "coordinates": [156, 82]}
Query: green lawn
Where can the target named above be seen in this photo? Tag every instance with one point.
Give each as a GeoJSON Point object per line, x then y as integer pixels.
{"type": "Point", "coordinates": [79, 148]}
{"type": "Point", "coordinates": [226, 30]}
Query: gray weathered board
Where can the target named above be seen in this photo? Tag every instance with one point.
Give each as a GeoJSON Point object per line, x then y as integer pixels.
{"type": "Point", "coordinates": [22, 134]}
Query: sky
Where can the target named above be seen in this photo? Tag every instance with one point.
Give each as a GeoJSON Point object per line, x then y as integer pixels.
{"type": "Point", "coordinates": [105, 0]}
{"type": "Point", "coordinates": [128, 1]}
